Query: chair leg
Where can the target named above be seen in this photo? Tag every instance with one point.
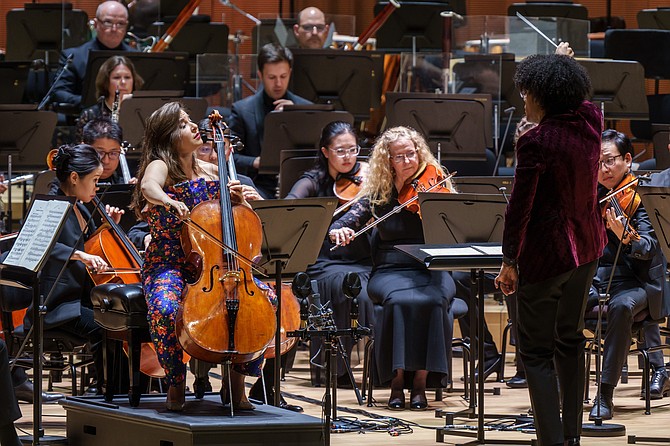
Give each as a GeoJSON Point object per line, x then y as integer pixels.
{"type": "Point", "coordinates": [134, 353]}
{"type": "Point", "coordinates": [366, 366]}
{"type": "Point", "coordinates": [503, 349]}
{"type": "Point", "coordinates": [645, 382]}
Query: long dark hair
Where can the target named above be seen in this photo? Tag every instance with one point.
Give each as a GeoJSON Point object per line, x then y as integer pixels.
{"type": "Point", "coordinates": [160, 142]}
{"type": "Point", "coordinates": [80, 158]}
{"type": "Point", "coordinates": [329, 132]}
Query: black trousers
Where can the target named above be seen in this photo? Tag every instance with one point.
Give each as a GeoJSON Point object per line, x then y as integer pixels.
{"type": "Point", "coordinates": [551, 343]}
{"type": "Point", "coordinates": [9, 408]}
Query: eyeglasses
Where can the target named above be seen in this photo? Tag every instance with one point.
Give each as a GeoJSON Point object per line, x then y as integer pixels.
{"type": "Point", "coordinates": [310, 28]}
{"type": "Point", "coordinates": [341, 152]}
{"type": "Point", "coordinates": [410, 156]}
{"type": "Point", "coordinates": [206, 150]}
{"type": "Point", "coordinates": [111, 155]}
{"type": "Point", "coordinates": [609, 162]}
{"type": "Point", "coordinates": [109, 24]}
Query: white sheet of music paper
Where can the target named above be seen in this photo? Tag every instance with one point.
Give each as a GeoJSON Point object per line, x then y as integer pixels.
{"type": "Point", "coordinates": [37, 233]}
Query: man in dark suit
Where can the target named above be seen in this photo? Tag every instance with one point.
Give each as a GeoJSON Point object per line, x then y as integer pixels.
{"type": "Point", "coordinates": [637, 279]}
{"type": "Point", "coordinates": [247, 120]}
{"type": "Point", "coordinates": [553, 237]}
{"type": "Point", "coordinates": [111, 22]}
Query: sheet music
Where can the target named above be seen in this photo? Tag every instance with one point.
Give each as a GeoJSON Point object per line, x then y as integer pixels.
{"type": "Point", "coordinates": [493, 250]}
{"type": "Point", "coordinates": [461, 251]}
{"type": "Point", "coordinates": [38, 233]}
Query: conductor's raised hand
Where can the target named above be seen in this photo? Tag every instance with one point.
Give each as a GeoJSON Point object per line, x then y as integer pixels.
{"type": "Point", "coordinates": [564, 49]}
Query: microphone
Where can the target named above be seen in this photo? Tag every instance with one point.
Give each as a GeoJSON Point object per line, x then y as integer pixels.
{"type": "Point", "coordinates": [352, 288]}
{"type": "Point", "coordinates": [301, 289]}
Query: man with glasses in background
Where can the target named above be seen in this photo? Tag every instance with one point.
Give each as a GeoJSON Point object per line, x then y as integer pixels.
{"type": "Point", "coordinates": [111, 23]}
{"type": "Point", "coordinates": [311, 30]}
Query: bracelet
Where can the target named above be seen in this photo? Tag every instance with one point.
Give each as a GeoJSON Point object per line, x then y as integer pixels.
{"type": "Point", "coordinates": [509, 262]}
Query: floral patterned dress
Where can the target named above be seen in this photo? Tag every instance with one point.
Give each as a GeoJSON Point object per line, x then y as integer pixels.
{"type": "Point", "coordinates": [163, 278]}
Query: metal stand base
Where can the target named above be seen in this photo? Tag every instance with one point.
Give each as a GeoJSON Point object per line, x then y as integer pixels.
{"type": "Point", "coordinates": [46, 439]}
{"type": "Point", "coordinates": [603, 430]}
{"type": "Point", "coordinates": [632, 439]}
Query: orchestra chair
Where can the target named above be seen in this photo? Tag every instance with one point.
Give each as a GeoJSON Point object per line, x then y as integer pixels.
{"type": "Point", "coordinates": [457, 309]}
{"type": "Point", "coordinates": [640, 321]}
{"type": "Point", "coordinates": [122, 311]}
{"type": "Point", "coordinates": [66, 351]}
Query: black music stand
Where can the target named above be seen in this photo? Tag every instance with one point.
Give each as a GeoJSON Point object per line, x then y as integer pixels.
{"type": "Point", "coordinates": [13, 78]}
{"type": "Point", "coordinates": [293, 232]}
{"type": "Point", "coordinates": [295, 129]}
{"type": "Point", "coordinates": [549, 9]}
{"type": "Point", "coordinates": [292, 164]}
{"type": "Point", "coordinates": [654, 18]}
{"type": "Point", "coordinates": [415, 24]}
{"type": "Point", "coordinates": [619, 84]}
{"type": "Point", "coordinates": [168, 70]}
{"type": "Point", "coordinates": [464, 232]}
{"type": "Point", "coordinates": [42, 31]}
{"type": "Point", "coordinates": [484, 185]}
{"type": "Point", "coordinates": [196, 37]}
{"type": "Point", "coordinates": [656, 201]}
{"type": "Point", "coordinates": [660, 135]}
{"type": "Point", "coordinates": [24, 272]}
{"type": "Point", "coordinates": [451, 123]}
{"type": "Point", "coordinates": [339, 78]}
{"type": "Point", "coordinates": [26, 138]}
{"type": "Point", "coordinates": [264, 33]}
{"type": "Point", "coordinates": [135, 111]}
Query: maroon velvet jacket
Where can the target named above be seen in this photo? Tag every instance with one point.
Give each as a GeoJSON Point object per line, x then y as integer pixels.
{"type": "Point", "coordinates": [553, 222]}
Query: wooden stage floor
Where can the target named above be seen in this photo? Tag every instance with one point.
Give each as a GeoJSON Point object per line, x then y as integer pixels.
{"type": "Point", "coordinates": [629, 410]}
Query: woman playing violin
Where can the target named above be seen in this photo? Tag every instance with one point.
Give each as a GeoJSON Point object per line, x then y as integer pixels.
{"type": "Point", "coordinates": [413, 337]}
{"type": "Point", "coordinates": [638, 283]}
{"type": "Point", "coordinates": [173, 181]}
{"type": "Point", "coordinates": [335, 165]}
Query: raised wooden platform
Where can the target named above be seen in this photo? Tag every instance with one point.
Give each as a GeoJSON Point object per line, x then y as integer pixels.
{"type": "Point", "coordinates": [92, 422]}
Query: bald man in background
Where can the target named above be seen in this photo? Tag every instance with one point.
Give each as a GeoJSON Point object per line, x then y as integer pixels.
{"type": "Point", "coordinates": [311, 30]}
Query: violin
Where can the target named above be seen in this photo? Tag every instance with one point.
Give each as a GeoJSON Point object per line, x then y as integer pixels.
{"type": "Point", "coordinates": [428, 175]}
{"type": "Point", "coordinates": [224, 315]}
{"type": "Point", "coordinates": [430, 178]}
{"type": "Point", "coordinates": [624, 200]}
{"type": "Point", "coordinates": [347, 187]}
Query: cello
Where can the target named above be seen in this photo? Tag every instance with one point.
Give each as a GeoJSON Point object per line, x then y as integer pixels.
{"type": "Point", "coordinates": [224, 315]}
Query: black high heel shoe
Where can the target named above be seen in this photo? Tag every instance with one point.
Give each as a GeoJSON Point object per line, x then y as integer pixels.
{"type": "Point", "coordinates": [418, 400]}
{"type": "Point", "coordinates": [396, 400]}
{"type": "Point", "coordinates": [491, 365]}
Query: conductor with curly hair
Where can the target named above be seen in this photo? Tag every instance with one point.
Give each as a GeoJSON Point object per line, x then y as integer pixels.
{"type": "Point", "coordinates": [553, 237]}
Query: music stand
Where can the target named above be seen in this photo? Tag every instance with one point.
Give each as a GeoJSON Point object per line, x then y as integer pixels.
{"type": "Point", "coordinates": [13, 78]}
{"type": "Point", "coordinates": [464, 232]}
{"type": "Point", "coordinates": [298, 129]}
{"type": "Point", "coordinates": [339, 78]}
{"type": "Point", "coordinates": [42, 31]}
{"type": "Point", "coordinates": [660, 137]}
{"type": "Point", "coordinates": [168, 70]}
{"type": "Point", "coordinates": [26, 136]}
{"type": "Point", "coordinates": [484, 185]}
{"type": "Point", "coordinates": [264, 33]}
{"type": "Point", "coordinates": [619, 84]}
{"type": "Point", "coordinates": [415, 25]}
{"type": "Point", "coordinates": [549, 9]}
{"type": "Point", "coordinates": [196, 38]}
{"type": "Point", "coordinates": [135, 111]}
{"type": "Point", "coordinates": [451, 123]}
{"type": "Point", "coordinates": [654, 18]}
{"type": "Point", "coordinates": [293, 232]}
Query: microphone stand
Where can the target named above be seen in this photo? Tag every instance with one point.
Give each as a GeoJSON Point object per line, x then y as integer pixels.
{"type": "Point", "coordinates": [47, 96]}
{"type": "Point", "coordinates": [510, 112]}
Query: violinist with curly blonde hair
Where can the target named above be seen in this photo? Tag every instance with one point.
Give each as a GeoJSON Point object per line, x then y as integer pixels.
{"type": "Point", "coordinates": [413, 337]}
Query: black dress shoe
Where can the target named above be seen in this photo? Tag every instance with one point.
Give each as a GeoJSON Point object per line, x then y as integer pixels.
{"type": "Point", "coordinates": [606, 408]}
{"type": "Point", "coordinates": [256, 394]}
{"type": "Point", "coordinates": [659, 385]}
{"type": "Point", "coordinates": [396, 401]}
{"type": "Point", "coordinates": [418, 401]}
{"type": "Point", "coordinates": [574, 441]}
{"type": "Point", "coordinates": [491, 365]}
{"type": "Point", "coordinates": [200, 386]}
{"type": "Point", "coordinates": [517, 382]}
{"type": "Point", "coordinates": [24, 392]}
